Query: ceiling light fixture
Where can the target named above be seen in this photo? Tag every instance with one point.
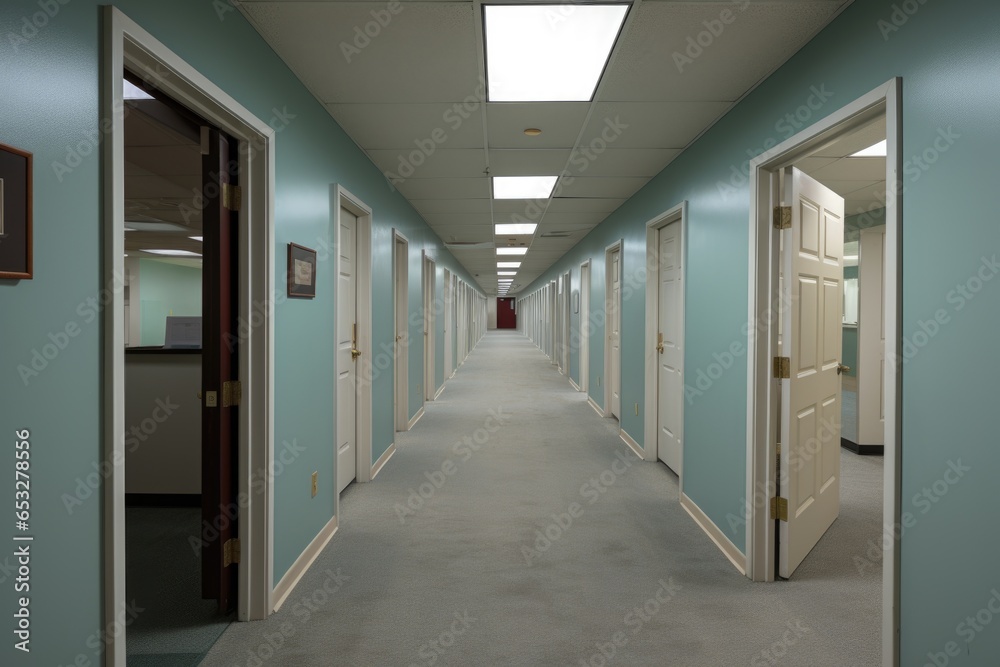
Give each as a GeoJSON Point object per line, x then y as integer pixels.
{"type": "Point", "coordinates": [875, 150]}
{"type": "Point", "coordinates": [523, 187]}
{"type": "Point", "coordinates": [170, 252]}
{"type": "Point", "coordinates": [196, 238]}
{"type": "Point", "coordinates": [506, 273]}
{"type": "Point", "coordinates": [532, 131]}
{"type": "Point", "coordinates": [508, 265]}
{"type": "Point", "coordinates": [527, 47]}
{"type": "Point", "coordinates": [512, 251]}
{"type": "Point", "coordinates": [133, 92]}
{"type": "Point", "coordinates": [516, 228]}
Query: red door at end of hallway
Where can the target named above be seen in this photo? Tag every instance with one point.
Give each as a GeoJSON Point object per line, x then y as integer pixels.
{"type": "Point", "coordinates": [506, 317]}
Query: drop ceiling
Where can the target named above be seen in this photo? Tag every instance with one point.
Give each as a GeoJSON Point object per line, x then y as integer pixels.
{"type": "Point", "coordinates": [405, 83]}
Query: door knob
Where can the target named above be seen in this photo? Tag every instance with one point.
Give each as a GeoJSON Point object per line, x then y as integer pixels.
{"type": "Point", "coordinates": [841, 368]}
{"type": "Point", "coordinates": [659, 343]}
{"type": "Point", "coordinates": [355, 353]}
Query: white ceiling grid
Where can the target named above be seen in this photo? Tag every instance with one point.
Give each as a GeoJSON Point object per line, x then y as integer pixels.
{"type": "Point", "coordinates": [420, 79]}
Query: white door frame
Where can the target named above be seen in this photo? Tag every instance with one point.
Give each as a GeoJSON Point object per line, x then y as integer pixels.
{"type": "Point", "coordinates": [762, 427]}
{"type": "Point", "coordinates": [427, 294]}
{"type": "Point", "coordinates": [401, 343]}
{"type": "Point", "coordinates": [585, 326]}
{"type": "Point", "coordinates": [676, 214]}
{"type": "Point", "coordinates": [608, 288]}
{"type": "Point", "coordinates": [342, 198]}
{"type": "Point", "coordinates": [567, 318]}
{"type": "Point", "coordinates": [126, 44]}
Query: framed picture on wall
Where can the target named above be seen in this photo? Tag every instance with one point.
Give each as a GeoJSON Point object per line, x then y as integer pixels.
{"type": "Point", "coordinates": [301, 271]}
{"type": "Point", "coordinates": [15, 214]}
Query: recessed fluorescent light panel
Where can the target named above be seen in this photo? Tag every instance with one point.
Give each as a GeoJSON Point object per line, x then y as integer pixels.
{"type": "Point", "coordinates": [196, 238]}
{"type": "Point", "coordinates": [548, 53]}
{"type": "Point", "coordinates": [516, 229]}
{"type": "Point", "coordinates": [133, 92]}
{"type": "Point", "coordinates": [508, 265]}
{"type": "Point", "coordinates": [171, 253]}
{"type": "Point", "coordinates": [523, 187]}
{"type": "Point", "coordinates": [512, 251]}
{"type": "Point", "coordinates": [506, 273]}
{"type": "Point", "coordinates": [876, 150]}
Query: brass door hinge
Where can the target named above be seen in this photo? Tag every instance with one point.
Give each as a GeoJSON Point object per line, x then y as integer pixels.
{"type": "Point", "coordinates": [232, 393]}
{"type": "Point", "coordinates": [232, 196]}
{"type": "Point", "coordinates": [779, 509]}
{"type": "Point", "coordinates": [782, 368]}
{"type": "Point", "coordinates": [782, 217]}
{"type": "Point", "coordinates": [231, 552]}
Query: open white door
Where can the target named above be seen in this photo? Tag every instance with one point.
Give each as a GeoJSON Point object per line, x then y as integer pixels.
{"type": "Point", "coordinates": [347, 351]}
{"type": "Point", "coordinates": [812, 331]}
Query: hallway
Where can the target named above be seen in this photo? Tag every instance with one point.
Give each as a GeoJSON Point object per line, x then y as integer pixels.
{"type": "Point", "coordinates": [440, 559]}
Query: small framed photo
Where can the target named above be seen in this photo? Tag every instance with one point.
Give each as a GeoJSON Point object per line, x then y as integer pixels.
{"type": "Point", "coordinates": [15, 214]}
{"type": "Point", "coordinates": [301, 271]}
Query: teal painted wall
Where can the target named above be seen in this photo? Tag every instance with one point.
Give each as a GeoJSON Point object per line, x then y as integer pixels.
{"type": "Point", "coordinates": [166, 289]}
{"type": "Point", "coordinates": [947, 56]}
{"type": "Point", "coordinates": [51, 108]}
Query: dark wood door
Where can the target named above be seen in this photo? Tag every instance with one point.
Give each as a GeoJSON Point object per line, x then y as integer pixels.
{"type": "Point", "coordinates": [506, 317]}
{"type": "Point", "coordinates": [220, 367]}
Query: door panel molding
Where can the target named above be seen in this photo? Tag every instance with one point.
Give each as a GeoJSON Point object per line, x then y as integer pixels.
{"type": "Point", "coordinates": [615, 310]}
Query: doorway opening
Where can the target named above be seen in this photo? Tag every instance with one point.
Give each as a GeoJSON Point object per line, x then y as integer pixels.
{"type": "Point", "coordinates": [797, 311]}
{"type": "Point", "coordinates": [429, 280]}
{"type": "Point", "coordinates": [665, 285]}
{"type": "Point", "coordinates": [171, 128]}
{"type": "Point", "coordinates": [585, 327]}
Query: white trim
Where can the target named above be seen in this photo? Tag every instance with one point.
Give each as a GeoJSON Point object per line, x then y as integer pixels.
{"type": "Point", "coordinates": [761, 390]}
{"type": "Point", "coordinates": [303, 563]}
{"type": "Point", "coordinates": [585, 326]}
{"type": "Point", "coordinates": [592, 403]}
{"type": "Point", "coordinates": [342, 197]}
{"type": "Point", "coordinates": [608, 385]}
{"type": "Point", "coordinates": [440, 391]}
{"type": "Point", "coordinates": [400, 310]}
{"type": "Point", "coordinates": [126, 44]}
{"type": "Point", "coordinates": [428, 281]}
{"type": "Point", "coordinates": [676, 214]}
{"type": "Point", "coordinates": [573, 384]}
{"type": "Point", "coordinates": [717, 536]}
{"type": "Point", "coordinates": [415, 419]}
{"type": "Point", "coordinates": [382, 460]}
{"type": "Point", "coordinates": [633, 445]}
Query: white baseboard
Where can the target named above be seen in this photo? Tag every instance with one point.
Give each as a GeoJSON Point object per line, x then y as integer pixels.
{"type": "Point", "coordinates": [734, 555]}
{"type": "Point", "coordinates": [574, 385]}
{"type": "Point", "coordinates": [439, 391]}
{"type": "Point", "coordinates": [416, 418]}
{"type": "Point", "coordinates": [633, 445]}
{"type": "Point", "coordinates": [382, 460]}
{"type": "Point", "coordinates": [303, 563]}
{"type": "Point", "coordinates": [596, 407]}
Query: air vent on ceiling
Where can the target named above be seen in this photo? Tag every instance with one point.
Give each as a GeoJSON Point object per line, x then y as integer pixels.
{"type": "Point", "coordinates": [469, 245]}
{"type": "Point", "coordinates": [556, 235]}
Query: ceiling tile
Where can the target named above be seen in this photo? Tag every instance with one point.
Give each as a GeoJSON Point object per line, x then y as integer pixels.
{"type": "Point", "coordinates": [584, 204]}
{"type": "Point", "coordinates": [560, 123]}
{"type": "Point", "coordinates": [636, 162]}
{"type": "Point", "coordinates": [649, 124]}
{"type": "Point", "coordinates": [757, 39]}
{"type": "Point", "coordinates": [533, 162]}
{"type": "Point", "coordinates": [425, 53]}
{"type": "Point", "coordinates": [406, 126]}
{"type": "Point", "coordinates": [430, 206]}
{"type": "Point", "coordinates": [445, 188]}
{"type": "Point", "coordinates": [601, 187]}
{"type": "Point", "coordinates": [464, 233]}
{"type": "Point", "coordinates": [484, 220]}
{"type": "Point", "coordinates": [442, 163]}
{"type": "Point", "coordinates": [852, 168]}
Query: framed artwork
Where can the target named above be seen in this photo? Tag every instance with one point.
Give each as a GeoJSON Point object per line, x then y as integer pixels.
{"type": "Point", "coordinates": [301, 271]}
{"type": "Point", "coordinates": [15, 213]}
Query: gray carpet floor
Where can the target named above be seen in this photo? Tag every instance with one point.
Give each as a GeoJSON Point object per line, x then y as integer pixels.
{"type": "Point", "coordinates": [849, 415]}
{"type": "Point", "coordinates": [463, 578]}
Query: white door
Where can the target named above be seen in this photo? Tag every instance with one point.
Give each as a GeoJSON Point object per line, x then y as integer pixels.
{"type": "Point", "coordinates": [871, 337]}
{"type": "Point", "coordinates": [429, 339]}
{"type": "Point", "coordinates": [670, 388]}
{"type": "Point", "coordinates": [810, 427]}
{"type": "Point", "coordinates": [614, 323]}
{"type": "Point", "coordinates": [401, 340]}
{"type": "Point", "coordinates": [347, 304]}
